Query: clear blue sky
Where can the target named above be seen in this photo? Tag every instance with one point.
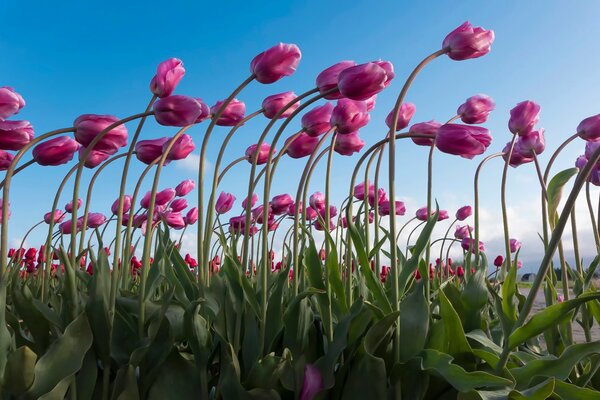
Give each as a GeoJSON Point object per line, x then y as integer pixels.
{"type": "Point", "coordinates": [68, 58]}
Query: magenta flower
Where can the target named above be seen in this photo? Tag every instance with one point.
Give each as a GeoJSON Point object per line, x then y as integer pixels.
{"type": "Point", "coordinates": [421, 214]}
{"type": "Point", "coordinates": [469, 244]}
{"type": "Point", "coordinates": [273, 64]}
{"type": "Point", "coordinates": [184, 187]}
{"type": "Point", "coordinates": [88, 126]}
{"type": "Point", "coordinates": [281, 203]}
{"type": "Point", "coordinates": [589, 128]}
{"type": "Point", "coordinates": [317, 121]}
{"type": "Point", "coordinates": [349, 116]}
{"type": "Point", "coordinates": [516, 158]}
{"type": "Point", "coordinates": [204, 111]}
{"type": "Point", "coordinates": [10, 102]}
{"type": "Point", "coordinates": [498, 261]}
{"type": "Point", "coordinates": [161, 199]}
{"type": "Point", "coordinates": [384, 208]}
{"type": "Point", "coordinates": [301, 145]}
{"type": "Point", "coordinates": [348, 144]}
{"type": "Point", "coordinates": [253, 201]}
{"type": "Point", "coordinates": [69, 206]}
{"type": "Point", "coordinates": [237, 224]}
{"type": "Point", "coordinates": [233, 113]}
{"type": "Point", "coordinates": [126, 205]}
{"type": "Point", "coordinates": [263, 153]}
{"type": "Point", "coordinates": [442, 215]}
{"type": "Point", "coordinates": [312, 384]}
{"type": "Point", "coordinates": [292, 209]}
{"type": "Point", "coordinates": [429, 128]}
{"type": "Point", "coordinates": [534, 143]}
{"type": "Point", "coordinates": [182, 148]}
{"type": "Point", "coordinates": [359, 190]}
{"type": "Point", "coordinates": [177, 110]}
{"type": "Point", "coordinates": [464, 213]}
{"type": "Point", "coordinates": [371, 102]}
{"type": "Point", "coordinates": [168, 75]}
{"type": "Point", "coordinates": [59, 216]}
{"type": "Point", "coordinates": [55, 151]}
{"type": "Point", "coordinates": [273, 104]}
{"type": "Point", "coordinates": [224, 203]}
{"type": "Point", "coordinates": [463, 232]}
{"type": "Point", "coordinates": [95, 220]}
{"type": "Point", "coordinates": [258, 214]}
{"type": "Point", "coordinates": [94, 158]}
{"type": "Point", "coordinates": [149, 150]}
{"type": "Point", "coordinates": [311, 213]}
{"type": "Point", "coordinates": [178, 205]}
{"type": "Point", "coordinates": [365, 80]}
{"type": "Point", "coordinates": [317, 201]}
{"type": "Point", "coordinates": [405, 113]}
{"type": "Point", "coordinates": [319, 226]}
{"type": "Point", "coordinates": [581, 161]}
{"type": "Point", "coordinates": [476, 109]}
{"type": "Point", "coordinates": [5, 160]}
{"type": "Point", "coordinates": [466, 141]}
{"type": "Point", "coordinates": [590, 148]}
{"type": "Point", "coordinates": [65, 227]}
{"type": "Point", "coordinates": [14, 135]}
{"type": "Point", "coordinates": [328, 79]}
{"type": "Point", "coordinates": [515, 245]}
{"type": "Point", "coordinates": [174, 219]}
{"type": "Point", "coordinates": [467, 42]}
{"type": "Point", "coordinates": [523, 117]}
{"type": "Point", "coordinates": [191, 216]}
{"type": "Point", "coordinates": [381, 197]}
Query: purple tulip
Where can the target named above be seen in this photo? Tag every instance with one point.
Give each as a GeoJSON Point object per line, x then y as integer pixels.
{"type": "Point", "coordinates": [476, 109]}
{"type": "Point", "coordinates": [291, 212]}
{"type": "Point", "coordinates": [349, 116]}
{"type": "Point", "coordinates": [69, 206]}
{"type": "Point", "coordinates": [280, 203]}
{"type": "Point", "coordinates": [311, 213]}
{"type": "Point", "coordinates": [94, 158]}
{"type": "Point", "coordinates": [590, 148]}
{"type": "Point", "coordinates": [253, 201]}
{"type": "Point", "coordinates": [381, 197]}
{"type": "Point", "coordinates": [589, 128]}
{"type": "Point", "coordinates": [95, 220]}
{"type": "Point", "coordinates": [233, 113]}
{"type": "Point", "coordinates": [275, 103]}
{"type": "Point", "coordinates": [429, 128]}
{"type": "Point", "coordinates": [365, 80]}
{"type": "Point", "coordinates": [178, 205]}
{"type": "Point", "coordinates": [5, 160]}
{"type": "Point", "coordinates": [466, 141]}
{"type": "Point", "coordinates": [182, 148]}
{"type": "Point", "coordinates": [370, 102]}
{"type": "Point", "coordinates": [405, 113]}
{"type": "Point", "coordinates": [523, 117]}
{"type": "Point", "coordinates": [204, 111]}
{"type": "Point", "coordinates": [59, 216]}
{"type": "Point", "coordinates": [65, 227]}
{"type": "Point", "coordinates": [126, 205]}
{"type": "Point", "coordinates": [14, 135]}
{"type": "Point", "coordinates": [463, 232]}
{"type": "Point", "coordinates": [258, 214]}
{"type": "Point", "coordinates": [273, 64]}
{"type": "Point", "coordinates": [467, 42]}
{"type": "Point", "coordinates": [301, 145]}
{"type": "Point", "coordinates": [348, 144]}
{"type": "Point", "coordinates": [359, 190]}
{"type": "Point", "coordinates": [177, 110]}
{"type": "Point", "coordinates": [88, 126]}
{"type": "Point", "coordinates": [263, 153]}
{"type": "Point", "coordinates": [174, 219]}
{"type": "Point", "coordinates": [581, 161]}
{"type": "Point", "coordinates": [184, 187]}
{"type": "Point", "coordinates": [516, 158]}
{"type": "Point", "coordinates": [531, 144]}
{"type": "Point", "coordinates": [312, 384]}
{"type": "Point", "coordinates": [149, 150]}
{"type": "Point", "coordinates": [328, 79]}
{"type": "Point", "coordinates": [464, 213]}
{"type": "Point", "coordinates": [224, 203]}
{"type": "Point", "coordinates": [384, 208]}
{"type": "Point", "coordinates": [191, 216]}
{"type": "Point", "coordinates": [10, 102]}
{"type": "Point", "coordinates": [317, 201]}
{"type": "Point", "coordinates": [317, 121]}
{"type": "Point", "coordinates": [515, 245]}
{"type": "Point", "coordinates": [469, 244]}
{"type": "Point", "coordinates": [442, 215]}
{"type": "Point", "coordinates": [237, 224]}
{"type": "Point", "coordinates": [55, 151]}
{"type": "Point", "coordinates": [168, 75]}
{"type": "Point", "coordinates": [319, 226]}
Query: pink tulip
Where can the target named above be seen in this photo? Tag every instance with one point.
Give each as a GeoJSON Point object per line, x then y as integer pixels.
{"type": "Point", "coordinates": [224, 203]}
{"type": "Point", "coordinates": [149, 150]}
{"type": "Point", "coordinates": [168, 75]}
{"type": "Point", "coordinates": [589, 128]}
{"type": "Point", "coordinates": [466, 141]}
{"type": "Point", "coordinates": [405, 113]}
{"type": "Point", "coordinates": [5, 160]}
{"type": "Point", "coordinates": [312, 384]}
{"type": "Point", "coordinates": [476, 109]}
{"type": "Point", "coordinates": [10, 102]}
{"type": "Point", "coordinates": [317, 201]}
{"type": "Point", "coordinates": [467, 42]}
{"type": "Point", "coordinates": [464, 213]}
{"type": "Point", "coordinates": [302, 146]}
{"type": "Point", "coordinates": [381, 197]}
{"type": "Point", "coordinates": [348, 144]}
{"type": "Point", "coordinates": [534, 143]}
{"type": "Point", "coordinates": [275, 63]}
{"type": "Point", "coordinates": [263, 153]}
{"type": "Point", "coordinates": [59, 216]}
{"type": "Point", "coordinates": [317, 121]}
{"type": "Point", "coordinates": [516, 158]}
{"type": "Point", "coordinates": [429, 128]}
{"type": "Point", "coordinates": [359, 190]}
{"type": "Point", "coordinates": [590, 148]}
{"type": "Point", "coordinates": [232, 115]}
{"type": "Point", "coordinates": [174, 219]}
{"type": "Point", "coordinates": [498, 261]}
{"type": "Point", "coordinates": [237, 224]}
{"type": "Point", "coordinates": [55, 151]}
{"type": "Point", "coordinates": [191, 216]}
{"type": "Point", "coordinates": [463, 232]}
{"type": "Point", "coordinates": [515, 245]}
{"type": "Point", "coordinates": [88, 126]}
{"type": "Point", "coordinates": [328, 79]}
{"type": "Point", "coordinates": [126, 205]}
{"type": "Point", "coordinates": [258, 214]}
{"type": "Point", "coordinates": [421, 214]}
{"type": "Point", "coordinates": [365, 80]}
{"type": "Point", "coordinates": [349, 116]}
{"type": "Point", "coordinates": [311, 213]}
{"type": "Point", "coordinates": [253, 201]}
{"type": "Point", "coordinates": [292, 209]}
{"type": "Point", "coordinates": [204, 111]}
{"type": "Point", "coordinates": [178, 205]}
{"type": "Point", "coordinates": [95, 220]}
{"type": "Point", "coordinates": [523, 117]}
{"type": "Point", "coordinates": [182, 148]}
{"type": "Point", "coordinates": [184, 187]}
{"type": "Point", "coordinates": [319, 226]}
{"type": "Point", "coordinates": [442, 215]}
{"type": "Point", "coordinates": [177, 110]}
{"type": "Point", "coordinates": [94, 158]}
{"type": "Point", "coordinates": [371, 102]}
{"type": "Point", "coordinates": [460, 272]}
{"type": "Point", "coordinates": [332, 212]}
{"type": "Point", "coordinates": [14, 135]}
{"type": "Point", "coordinates": [384, 208]}
{"type": "Point", "coordinates": [280, 203]}
{"type": "Point", "coordinates": [65, 227]}
{"type": "Point", "coordinates": [469, 244]}
{"type": "Point", "coordinates": [275, 103]}
{"type": "Point", "coordinates": [69, 206]}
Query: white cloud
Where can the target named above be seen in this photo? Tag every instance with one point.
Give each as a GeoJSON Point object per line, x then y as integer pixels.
{"type": "Point", "coordinates": [191, 163]}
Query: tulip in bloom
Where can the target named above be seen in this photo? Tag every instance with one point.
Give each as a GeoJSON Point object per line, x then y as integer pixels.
{"type": "Point", "coordinates": [476, 109]}
{"type": "Point", "coordinates": [10, 102]}
{"type": "Point", "coordinates": [177, 110]}
{"type": "Point", "coordinates": [55, 151]}
{"type": "Point", "coordinates": [231, 115]}
{"type": "Point", "coordinates": [317, 121]}
{"type": "Point", "coordinates": [237, 224]}
{"type": "Point", "coordinates": [516, 158]}
{"type": "Point", "coordinates": [317, 201]}
{"type": "Point", "coordinates": [275, 63]}
{"type": "Point", "coordinates": [442, 215]}
{"type": "Point", "coordinates": [301, 145]}
{"type": "Point", "coordinates": [349, 116]}
{"type": "Point", "coordinates": [149, 150]}
{"type": "Point", "coordinates": [258, 214]}
{"type": "Point", "coordinates": [14, 135]}
{"type": "Point", "coordinates": [184, 187]}
{"type": "Point", "coordinates": [204, 111]}
{"type": "Point", "coordinates": [463, 140]}
{"type": "Point", "coordinates": [272, 105]}
{"type": "Point", "coordinates": [65, 227]}
{"type": "Point", "coordinates": [191, 216]}
{"type": "Point", "coordinates": [5, 160]}
{"type": "Point", "coordinates": [534, 143]}
{"type": "Point", "coordinates": [312, 384]}
{"type": "Point", "coordinates": [281, 203]}
{"type": "Point", "coordinates": [365, 80]}
{"type": "Point", "coordinates": [429, 128]}
{"type": "Point", "coordinates": [515, 245]}
{"type": "Point", "coordinates": [319, 226]}
{"type": "Point", "coordinates": [523, 117]}
{"type": "Point", "coordinates": [59, 216]}
{"type": "Point", "coordinates": [467, 42]}
{"type": "Point", "coordinates": [69, 206]}
{"type": "Point", "coordinates": [174, 220]}
{"type": "Point", "coordinates": [311, 213]}
{"type": "Point", "coordinates": [589, 128]}
{"type": "Point", "coordinates": [126, 205]}
{"type": "Point", "coordinates": [381, 197]}
{"type": "Point", "coordinates": [88, 126]}
{"type": "Point", "coordinates": [359, 190]}
{"type": "Point", "coordinates": [469, 244]}
{"type": "Point", "coordinates": [327, 80]}
{"type": "Point", "coordinates": [168, 75]}
{"type": "Point", "coordinates": [178, 205]}
{"type": "Point", "coordinates": [384, 208]}
{"type": "Point", "coordinates": [463, 232]}
{"type": "Point", "coordinates": [182, 148]}
{"type": "Point", "coordinates": [253, 201]}
{"type": "Point", "coordinates": [263, 153]}
{"type": "Point", "coordinates": [464, 213]}
{"type": "Point", "coordinates": [405, 113]}
{"type": "Point", "coordinates": [348, 144]}
{"type": "Point", "coordinates": [95, 220]}
{"type": "Point", "coordinates": [94, 158]}
{"type": "Point", "coordinates": [224, 203]}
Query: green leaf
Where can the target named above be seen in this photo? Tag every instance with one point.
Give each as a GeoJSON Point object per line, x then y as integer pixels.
{"type": "Point", "coordinates": [555, 189]}
{"type": "Point", "coordinates": [314, 269]}
{"type": "Point", "coordinates": [377, 334]}
{"type": "Point", "coordinates": [125, 386]}
{"type": "Point", "coordinates": [541, 391]}
{"type": "Point", "coordinates": [414, 322]}
{"type": "Point", "coordinates": [456, 341]}
{"type": "Point", "coordinates": [568, 391]}
{"type": "Point", "coordinates": [18, 375]}
{"type": "Point", "coordinates": [177, 378]}
{"type": "Point", "coordinates": [36, 323]}
{"type": "Point", "coordinates": [333, 274]}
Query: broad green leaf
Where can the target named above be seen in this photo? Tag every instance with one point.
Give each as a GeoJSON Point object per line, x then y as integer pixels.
{"type": "Point", "coordinates": [59, 391]}
{"type": "Point", "coordinates": [125, 386]}
{"type": "Point", "coordinates": [34, 321]}
{"type": "Point", "coordinates": [314, 269]}
{"type": "Point", "coordinates": [555, 189]}
{"type": "Point", "coordinates": [541, 391]}
{"type": "Point", "coordinates": [366, 379]}
{"type": "Point", "coordinates": [567, 392]}
{"type": "Point", "coordinates": [18, 375]}
{"type": "Point", "coordinates": [456, 341]}
{"type": "Point", "coordinates": [177, 378]}
{"type": "Point", "coordinates": [414, 322]}
{"type": "Point", "coordinates": [333, 274]}
{"type": "Point", "coordinates": [377, 334]}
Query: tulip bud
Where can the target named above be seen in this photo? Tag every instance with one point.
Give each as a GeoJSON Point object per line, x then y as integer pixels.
{"type": "Point", "coordinates": [463, 232]}
{"type": "Point", "coordinates": [498, 261]}
{"type": "Point", "coordinates": [126, 205]}
{"type": "Point", "coordinates": [469, 244]}
{"type": "Point", "coordinates": [589, 128]}
{"type": "Point", "coordinates": [317, 201]}
{"type": "Point", "coordinates": [523, 117]}
{"type": "Point", "coordinates": [5, 160]}
{"type": "Point", "coordinates": [184, 187]}
{"type": "Point", "coordinates": [263, 153]}
{"type": "Point", "coordinates": [69, 206]}
{"type": "Point", "coordinates": [95, 220]}
{"type": "Point", "coordinates": [348, 144]}
{"type": "Point", "coordinates": [384, 208]}
{"type": "Point", "coordinates": [149, 150]}
{"type": "Point", "coordinates": [14, 135]}
{"type": "Point", "coordinates": [174, 220]}
{"type": "Point", "coordinates": [177, 110]}
{"type": "Point", "coordinates": [328, 79]}
{"type": "Point", "coordinates": [10, 102]}
{"type": "Point", "coordinates": [280, 203]}
{"type": "Point", "coordinates": [253, 201]}
{"type": "Point", "coordinates": [476, 109]}
{"type": "Point", "coordinates": [192, 216]}
{"type": "Point", "coordinates": [464, 213]}
{"type": "Point", "coordinates": [460, 272]}
{"type": "Point", "coordinates": [466, 141]}
{"type": "Point", "coordinates": [349, 116]}
{"type": "Point", "coordinates": [224, 202]}
{"type": "Point", "coordinates": [258, 214]}
{"type": "Point", "coordinates": [65, 227]}
{"type": "Point", "coordinates": [59, 216]}
{"type": "Point", "coordinates": [301, 145]}
{"type": "Point", "coordinates": [232, 115]}
{"type": "Point", "coordinates": [88, 126]}
{"type": "Point", "coordinates": [275, 103]}
{"type": "Point", "coordinates": [275, 63]}
{"type": "Point", "coordinates": [515, 245]}
{"type": "Point", "coordinates": [182, 148]}
{"type": "Point", "coordinates": [429, 128]}
{"type": "Point", "coordinates": [365, 80]}
{"type": "Point", "coordinates": [178, 205]}
{"type": "Point", "coordinates": [168, 75]}
{"type": "Point", "coordinates": [405, 113]}
{"type": "Point", "coordinates": [55, 151]}
{"type": "Point", "coordinates": [467, 42]}
{"type": "Point", "coordinates": [317, 121]}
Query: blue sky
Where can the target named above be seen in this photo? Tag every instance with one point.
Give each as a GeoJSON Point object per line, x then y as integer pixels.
{"type": "Point", "coordinates": [69, 58]}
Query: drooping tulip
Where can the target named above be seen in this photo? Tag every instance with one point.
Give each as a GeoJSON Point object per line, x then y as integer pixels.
{"type": "Point", "coordinates": [69, 206]}
{"type": "Point", "coordinates": [126, 205]}
{"type": "Point", "coordinates": [428, 128]}
{"type": "Point", "coordinates": [231, 115]}
{"type": "Point", "coordinates": [275, 63]}
{"type": "Point", "coordinates": [469, 244]}
{"type": "Point", "coordinates": [258, 214]}
{"type": "Point", "coordinates": [311, 213]}
{"type": "Point", "coordinates": [174, 219]}
{"type": "Point", "coordinates": [589, 128]}
{"type": "Point", "coordinates": [476, 109]}
{"type": "Point", "coordinates": [516, 158]}
{"type": "Point", "coordinates": [464, 213]}
{"type": "Point", "coordinates": [253, 201]}
{"type": "Point", "coordinates": [182, 148]}
{"type": "Point", "coordinates": [184, 187]}
{"type": "Point", "coordinates": [149, 150]}
{"type": "Point", "coordinates": [405, 113]}
{"type": "Point", "coordinates": [14, 135]}
{"type": "Point", "coordinates": [177, 110]}
{"type": "Point", "coordinates": [349, 116]}
{"type": "Point", "coordinates": [204, 111]}
{"type": "Point", "coordinates": [59, 216]}
{"type": "Point", "coordinates": [5, 160]}
{"type": "Point", "coordinates": [168, 75]}
{"type": "Point", "coordinates": [94, 158]}
{"type": "Point", "coordinates": [384, 208]}
{"type": "Point", "coordinates": [178, 205]}
{"type": "Point", "coordinates": [359, 190]}
{"type": "Point", "coordinates": [65, 227]}
{"type": "Point", "coordinates": [263, 153]}
{"type": "Point", "coordinates": [466, 141]}
{"type": "Point", "coordinates": [327, 80]}
{"type": "Point", "coordinates": [523, 117]}
{"type": "Point", "coordinates": [95, 220]}
{"type": "Point", "coordinates": [10, 102]}
{"type": "Point", "coordinates": [88, 126]}
{"type": "Point", "coordinates": [348, 144]}
{"type": "Point", "coordinates": [191, 216]}
{"type": "Point", "coordinates": [280, 203]}
{"type": "Point", "coordinates": [319, 226]}
{"type": "Point", "coordinates": [381, 197]}
{"type": "Point", "coordinates": [55, 151]}
{"type": "Point", "coordinates": [273, 104]}
{"type": "Point", "coordinates": [467, 42]}
{"type": "Point", "coordinates": [534, 143]}
{"type": "Point", "coordinates": [301, 145]}
{"type": "Point", "coordinates": [317, 201]}
{"type": "Point", "coordinates": [498, 261]}
{"type": "Point", "coordinates": [463, 232]}
{"type": "Point", "coordinates": [317, 121]}
{"type": "Point", "coordinates": [515, 245]}
{"type": "Point", "coordinates": [224, 203]}
{"type": "Point", "coordinates": [365, 80]}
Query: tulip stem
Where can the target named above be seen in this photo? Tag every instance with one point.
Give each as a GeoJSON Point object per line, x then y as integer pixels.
{"type": "Point", "coordinates": [504, 206]}
{"type": "Point", "coordinates": [592, 217]}
{"type": "Point", "coordinates": [326, 227]}
{"type": "Point", "coordinates": [476, 200]}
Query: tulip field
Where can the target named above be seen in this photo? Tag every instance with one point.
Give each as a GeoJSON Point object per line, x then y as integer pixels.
{"type": "Point", "coordinates": [290, 296]}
